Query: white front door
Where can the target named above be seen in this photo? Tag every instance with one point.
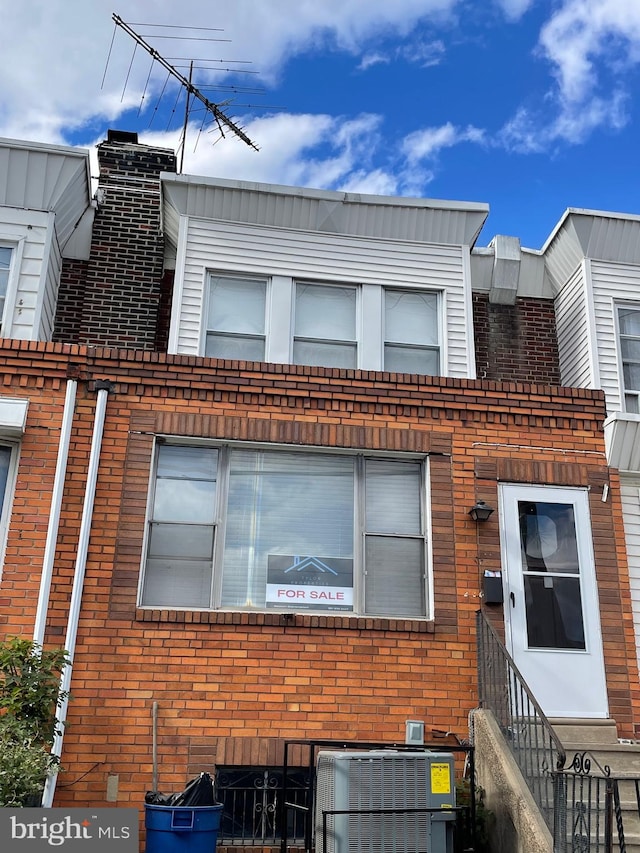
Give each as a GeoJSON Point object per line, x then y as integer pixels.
{"type": "Point", "coordinates": [552, 617]}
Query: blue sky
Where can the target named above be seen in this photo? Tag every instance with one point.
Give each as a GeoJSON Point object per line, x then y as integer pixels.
{"type": "Point", "coordinates": [531, 106]}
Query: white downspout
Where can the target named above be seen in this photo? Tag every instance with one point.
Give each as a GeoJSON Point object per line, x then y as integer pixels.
{"type": "Point", "coordinates": [54, 513]}
{"type": "Point", "coordinates": [78, 580]}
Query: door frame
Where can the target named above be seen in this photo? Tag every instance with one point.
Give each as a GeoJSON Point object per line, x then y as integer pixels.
{"type": "Point", "coordinates": [583, 676]}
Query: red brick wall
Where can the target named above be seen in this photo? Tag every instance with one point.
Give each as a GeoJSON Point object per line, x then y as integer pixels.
{"type": "Point", "coordinates": [516, 342]}
{"type": "Point", "coordinates": [229, 685]}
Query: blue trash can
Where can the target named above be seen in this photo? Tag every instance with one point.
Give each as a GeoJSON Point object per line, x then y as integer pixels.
{"type": "Point", "coordinates": [182, 829]}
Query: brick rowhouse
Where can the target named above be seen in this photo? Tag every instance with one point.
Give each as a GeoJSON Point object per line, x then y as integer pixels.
{"type": "Point", "coordinates": [231, 686]}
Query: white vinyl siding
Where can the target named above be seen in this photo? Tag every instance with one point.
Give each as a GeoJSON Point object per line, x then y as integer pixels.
{"type": "Point", "coordinates": [249, 528]}
{"type": "Point", "coordinates": [613, 285]}
{"type": "Point", "coordinates": [286, 256]}
{"type": "Point", "coordinates": [32, 265]}
{"type": "Point", "coordinates": [574, 340]}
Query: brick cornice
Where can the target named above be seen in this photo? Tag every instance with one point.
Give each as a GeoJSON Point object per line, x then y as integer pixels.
{"type": "Point", "coordinates": [313, 390]}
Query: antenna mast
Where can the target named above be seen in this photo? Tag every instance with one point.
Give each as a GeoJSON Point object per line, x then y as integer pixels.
{"type": "Point", "coordinates": [220, 116]}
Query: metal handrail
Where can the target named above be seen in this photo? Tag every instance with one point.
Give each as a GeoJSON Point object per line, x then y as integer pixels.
{"type": "Point", "coordinates": [534, 744]}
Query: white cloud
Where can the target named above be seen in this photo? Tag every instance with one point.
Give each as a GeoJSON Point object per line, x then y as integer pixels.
{"type": "Point", "coordinates": [297, 150]}
{"type": "Point", "coordinates": [66, 43]}
{"type": "Point", "coordinates": [515, 9]}
{"type": "Point", "coordinates": [585, 37]}
{"type": "Point", "coordinates": [591, 45]}
{"type": "Point", "coordinates": [427, 143]}
{"type": "Point", "coordinates": [528, 132]}
{"type": "Point", "coordinates": [419, 52]}
{"type": "Point", "coordinates": [371, 59]}
{"type": "Point", "coordinates": [424, 53]}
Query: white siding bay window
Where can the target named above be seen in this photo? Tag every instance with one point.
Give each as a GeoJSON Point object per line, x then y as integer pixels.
{"type": "Point", "coordinates": [336, 267]}
{"type": "Point", "coordinates": [250, 528]}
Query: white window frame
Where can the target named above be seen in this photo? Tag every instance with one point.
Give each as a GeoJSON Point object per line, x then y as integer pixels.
{"type": "Point", "coordinates": [439, 324]}
{"type": "Point", "coordinates": [6, 499]}
{"type": "Point", "coordinates": [625, 393]}
{"type": "Point", "coordinates": [16, 247]}
{"type": "Point", "coordinates": [358, 325]}
{"type": "Point", "coordinates": [225, 449]}
{"type": "Point", "coordinates": [280, 301]}
{"type": "Point", "coordinates": [230, 276]}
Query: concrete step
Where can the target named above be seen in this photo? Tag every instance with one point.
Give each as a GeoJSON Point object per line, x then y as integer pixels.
{"type": "Point", "coordinates": [586, 732]}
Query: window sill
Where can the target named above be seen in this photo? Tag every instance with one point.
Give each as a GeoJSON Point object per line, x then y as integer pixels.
{"type": "Point", "coordinates": [284, 619]}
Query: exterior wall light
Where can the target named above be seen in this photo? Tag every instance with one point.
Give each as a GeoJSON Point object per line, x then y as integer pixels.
{"type": "Point", "coordinates": [481, 511]}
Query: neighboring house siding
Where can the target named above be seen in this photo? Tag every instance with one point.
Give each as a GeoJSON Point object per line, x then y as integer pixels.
{"type": "Point", "coordinates": [28, 232]}
{"type": "Point", "coordinates": [572, 323]}
{"type": "Point", "coordinates": [46, 308]}
{"type": "Point", "coordinates": [612, 284]}
{"type": "Point", "coordinates": [630, 489]}
{"type": "Point", "coordinates": [233, 248]}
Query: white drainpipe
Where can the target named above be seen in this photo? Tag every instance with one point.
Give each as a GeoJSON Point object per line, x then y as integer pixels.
{"type": "Point", "coordinates": [54, 513]}
{"type": "Point", "coordinates": [78, 580]}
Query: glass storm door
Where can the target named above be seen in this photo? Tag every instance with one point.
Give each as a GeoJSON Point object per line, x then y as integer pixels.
{"type": "Point", "coordinates": [552, 618]}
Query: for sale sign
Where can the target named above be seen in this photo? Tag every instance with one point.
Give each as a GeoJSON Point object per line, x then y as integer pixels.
{"type": "Point", "coordinates": [309, 583]}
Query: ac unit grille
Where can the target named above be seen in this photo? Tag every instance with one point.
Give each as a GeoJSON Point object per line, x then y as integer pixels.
{"type": "Point", "coordinates": [381, 780]}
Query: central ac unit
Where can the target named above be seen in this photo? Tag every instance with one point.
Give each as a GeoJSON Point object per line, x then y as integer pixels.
{"type": "Point", "coordinates": [384, 802]}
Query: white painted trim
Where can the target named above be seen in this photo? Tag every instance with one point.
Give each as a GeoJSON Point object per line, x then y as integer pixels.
{"type": "Point", "coordinates": [178, 287]}
{"type": "Point", "coordinates": [592, 337]}
{"type": "Point", "coordinates": [469, 328]}
{"type": "Point", "coordinates": [17, 247]}
{"type": "Point", "coordinates": [13, 417]}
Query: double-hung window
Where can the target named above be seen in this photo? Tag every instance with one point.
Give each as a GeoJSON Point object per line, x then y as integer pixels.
{"type": "Point", "coordinates": [411, 332]}
{"type": "Point", "coordinates": [325, 325]}
{"type": "Point", "coordinates": [5, 266]}
{"type": "Point", "coordinates": [629, 331]}
{"type": "Point", "coordinates": [235, 325]}
{"type": "Point", "coordinates": [237, 527]}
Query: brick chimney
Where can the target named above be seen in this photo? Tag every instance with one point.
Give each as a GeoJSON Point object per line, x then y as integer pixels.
{"type": "Point", "coordinates": [119, 297]}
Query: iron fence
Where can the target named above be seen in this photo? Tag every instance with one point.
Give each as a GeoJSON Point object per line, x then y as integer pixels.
{"type": "Point", "coordinates": [252, 798]}
{"type": "Point", "coordinates": [587, 809]}
{"type": "Point", "coordinates": [534, 744]}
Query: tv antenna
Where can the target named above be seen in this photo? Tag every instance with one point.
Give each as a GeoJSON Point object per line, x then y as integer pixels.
{"type": "Point", "coordinates": [223, 121]}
